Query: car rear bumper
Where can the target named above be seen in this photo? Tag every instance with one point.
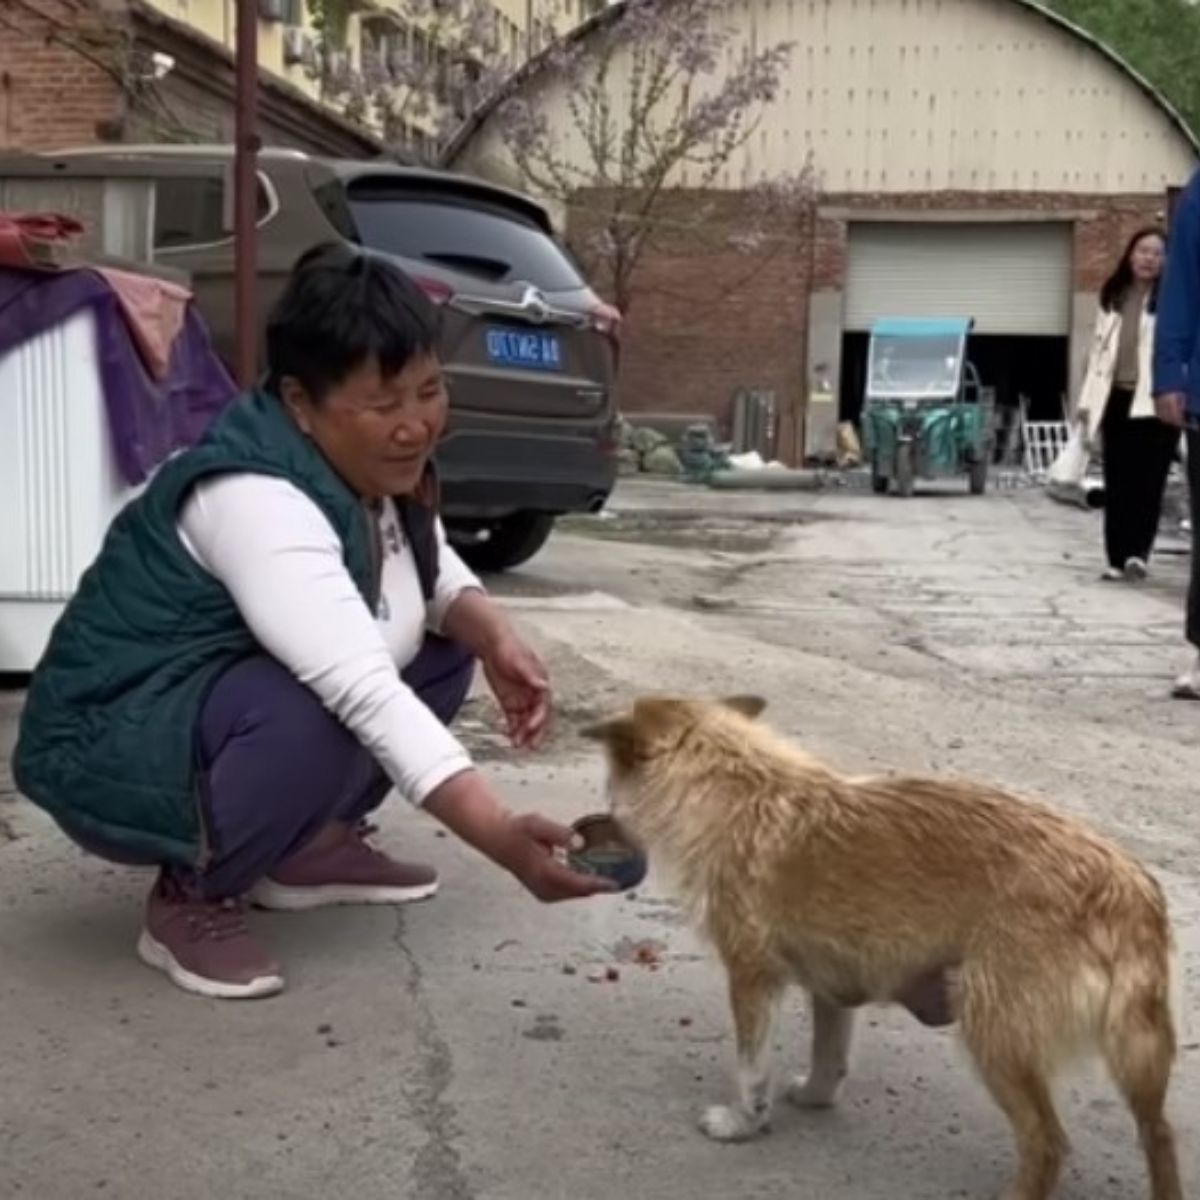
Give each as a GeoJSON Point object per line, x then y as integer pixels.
{"type": "Point", "coordinates": [538, 466]}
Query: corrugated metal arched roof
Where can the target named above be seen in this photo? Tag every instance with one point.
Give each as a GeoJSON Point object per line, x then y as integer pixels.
{"type": "Point", "coordinates": [615, 12]}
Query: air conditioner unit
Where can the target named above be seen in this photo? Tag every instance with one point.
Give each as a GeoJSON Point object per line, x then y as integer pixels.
{"type": "Point", "coordinates": [296, 43]}
{"type": "Point", "coordinates": [271, 10]}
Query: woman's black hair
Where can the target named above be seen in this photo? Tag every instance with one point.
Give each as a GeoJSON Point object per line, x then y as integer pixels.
{"type": "Point", "coordinates": [341, 308]}
{"type": "Point", "coordinates": [1116, 287]}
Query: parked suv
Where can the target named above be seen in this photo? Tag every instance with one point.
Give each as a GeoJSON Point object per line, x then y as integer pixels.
{"type": "Point", "coordinates": [530, 351]}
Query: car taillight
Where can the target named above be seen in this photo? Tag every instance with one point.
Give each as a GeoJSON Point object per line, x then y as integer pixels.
{"type": "Point", "coordinates": [610, 440]}
{"type": "Point", "coordinates": [437, 291]}
{"type": "Point", "coordinates": [607, 320]}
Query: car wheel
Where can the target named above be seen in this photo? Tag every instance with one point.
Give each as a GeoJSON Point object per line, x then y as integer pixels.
{"type": "Point", "coordinates": [509, 542]}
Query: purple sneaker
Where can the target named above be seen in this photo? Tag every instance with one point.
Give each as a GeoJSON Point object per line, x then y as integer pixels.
{"type": "Point", "coordinates": [350, 871]}
{"type": "Point", "coordinates": [205, 947]}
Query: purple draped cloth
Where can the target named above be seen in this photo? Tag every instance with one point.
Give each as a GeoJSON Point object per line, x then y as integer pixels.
{"type": "Point", "coordinates": [148, 419]}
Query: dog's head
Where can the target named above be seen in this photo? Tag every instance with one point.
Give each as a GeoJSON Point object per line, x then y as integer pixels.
{"type": "Point", "coordinates": [659, 734]}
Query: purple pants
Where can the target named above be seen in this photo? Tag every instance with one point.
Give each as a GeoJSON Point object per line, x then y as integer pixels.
{"type": "Point", "coordinates": [279, 766]}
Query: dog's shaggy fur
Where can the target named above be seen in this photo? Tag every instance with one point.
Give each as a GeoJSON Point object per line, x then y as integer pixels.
{"type": "Point", "coordinates": [1057, 941]}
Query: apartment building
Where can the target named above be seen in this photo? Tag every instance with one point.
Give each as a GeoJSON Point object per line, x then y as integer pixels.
{"type": "Point", "coordinates": [394, 73]}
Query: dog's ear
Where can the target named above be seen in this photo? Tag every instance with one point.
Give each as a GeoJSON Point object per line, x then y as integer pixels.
{"type": "Point", "coordinates": [748, 706]}
{"type": "Point", "coordinates": [656, 718]}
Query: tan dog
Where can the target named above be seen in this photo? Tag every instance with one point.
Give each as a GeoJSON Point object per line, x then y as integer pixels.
{"type": "Point", "coordinates": [854, 888]}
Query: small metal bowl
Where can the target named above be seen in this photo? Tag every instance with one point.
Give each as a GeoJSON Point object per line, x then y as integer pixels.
{"type": "Point", "coordinates": [608, 851]}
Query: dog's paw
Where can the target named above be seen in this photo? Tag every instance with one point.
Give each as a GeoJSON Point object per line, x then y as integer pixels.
{"type": "Point", "coordinates": [725, 1124]}
{"type": "Point", "coordinates": [804, 1092]}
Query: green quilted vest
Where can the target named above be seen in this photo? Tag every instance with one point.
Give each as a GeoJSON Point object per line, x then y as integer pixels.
{"type": "Point", "coordinates": [107, 737]}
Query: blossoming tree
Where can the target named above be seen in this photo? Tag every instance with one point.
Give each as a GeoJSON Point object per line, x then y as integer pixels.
{"type": "Point", "coordinates": [663, 97]}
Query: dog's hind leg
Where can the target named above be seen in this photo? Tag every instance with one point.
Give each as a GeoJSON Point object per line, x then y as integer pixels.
{"type": "Point", "coordinates": [1024, 1095]}
{"type": "Point", "coordinates": [1013, 1026]}
{"type": "Point", "coordinates": [833, 1030]}
{"type": "Point", "coordinates": [754, 998]}
{"type": "Point", "coordinates": [1139, 1046]}
{"type": "Point", "coordinates": [1009, 1055]}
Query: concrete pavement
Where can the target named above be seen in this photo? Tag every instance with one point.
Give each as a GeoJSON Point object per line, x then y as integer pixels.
{"type": "Point", "coordinates": [461, 1049]}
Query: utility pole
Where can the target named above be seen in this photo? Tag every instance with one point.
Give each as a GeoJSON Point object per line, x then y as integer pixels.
{"type": "Point", "coordinates": [245, 192]}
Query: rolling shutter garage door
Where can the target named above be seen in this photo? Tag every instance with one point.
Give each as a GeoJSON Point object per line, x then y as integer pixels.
{"type": "Point", "coordinates": [1013, 279]}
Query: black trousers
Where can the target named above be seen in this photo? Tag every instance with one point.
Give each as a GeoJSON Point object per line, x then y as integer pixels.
{"type": "Point", "coordinates": [1193, 470]}
{"type": "Point", "coordinates": [1137, 458]}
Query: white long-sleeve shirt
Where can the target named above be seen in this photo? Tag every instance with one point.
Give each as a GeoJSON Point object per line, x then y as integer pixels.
{"type": "Point", "coordinates": [278, 556]}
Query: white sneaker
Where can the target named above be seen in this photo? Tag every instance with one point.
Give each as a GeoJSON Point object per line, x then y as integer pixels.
{"type": "Point", "coordinates": [1136, 570]}
{"type": "Point", "coordinates": [1187, 686]}
{"type": "Point", "coordinates": [1112, 575]}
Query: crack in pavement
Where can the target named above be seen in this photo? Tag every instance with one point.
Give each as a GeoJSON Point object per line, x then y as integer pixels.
{"type": "Point", "coordinates": [944, 545]}
{"type": "Point", "coordinates": [437, 1171]}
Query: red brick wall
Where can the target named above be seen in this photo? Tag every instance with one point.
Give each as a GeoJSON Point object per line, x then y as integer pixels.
{"type": "Point", "coordinates": [61, 67]}
{"type": "Point", "coordinates": [707, 320]}
{"type": "Point", "coordinates": [51, 93]}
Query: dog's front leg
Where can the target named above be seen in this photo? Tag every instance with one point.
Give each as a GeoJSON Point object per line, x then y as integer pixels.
{"type": "Point", "coordinates": [753, 998]}
{"type": "Point", "coordinates": [833, 1027]}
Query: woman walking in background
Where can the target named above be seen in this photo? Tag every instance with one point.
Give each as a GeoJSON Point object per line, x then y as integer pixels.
{"type": "Point", "coordinates": [1116, 404]}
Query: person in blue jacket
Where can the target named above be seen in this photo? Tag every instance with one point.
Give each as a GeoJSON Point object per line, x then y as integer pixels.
{"type": "Point", "coordinates": [1177, 384]}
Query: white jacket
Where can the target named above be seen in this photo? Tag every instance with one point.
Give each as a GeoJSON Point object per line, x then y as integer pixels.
{"type": "Point", "coordinates": [1102, 366]}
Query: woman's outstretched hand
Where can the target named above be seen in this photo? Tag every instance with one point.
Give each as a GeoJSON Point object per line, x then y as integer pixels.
{"type": "Point", "coordinates": [530, 847]}
{"type": "Point", "coordinates": [532, 857]}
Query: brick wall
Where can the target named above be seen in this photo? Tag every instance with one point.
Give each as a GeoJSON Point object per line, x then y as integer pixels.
{"type": "Point", "coordinates": [707, 319]}
{"type": "Point", "coordinates": [61, 67]}
{"type": "Point", "coordinates": [55, 84]}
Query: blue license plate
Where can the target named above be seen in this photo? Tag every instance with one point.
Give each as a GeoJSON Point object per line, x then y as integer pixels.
{"type": "Point", "coordinates": [521, 348]}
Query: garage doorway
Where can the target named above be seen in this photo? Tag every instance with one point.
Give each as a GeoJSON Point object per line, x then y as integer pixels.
{"type": "Point", "coordinates": [1013, 278]}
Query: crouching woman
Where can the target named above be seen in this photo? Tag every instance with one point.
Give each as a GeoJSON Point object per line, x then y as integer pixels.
{"type": "Point", "coordinates": [274, 635]}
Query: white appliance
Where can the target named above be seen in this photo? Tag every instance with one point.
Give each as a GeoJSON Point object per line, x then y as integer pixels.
{"type": "Point", "coordinates": [59, 483]}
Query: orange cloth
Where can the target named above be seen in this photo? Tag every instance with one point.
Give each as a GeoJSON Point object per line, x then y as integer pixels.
{"type": "Point", "coordinates": [154, 310]}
